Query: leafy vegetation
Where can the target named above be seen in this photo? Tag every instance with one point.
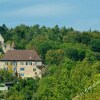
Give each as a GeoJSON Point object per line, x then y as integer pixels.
{"type": "Point", "coordinates": [72, 59]}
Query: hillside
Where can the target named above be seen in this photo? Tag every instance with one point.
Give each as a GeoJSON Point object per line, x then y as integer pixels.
{"type": "Point", "coordinates": [72, 60]}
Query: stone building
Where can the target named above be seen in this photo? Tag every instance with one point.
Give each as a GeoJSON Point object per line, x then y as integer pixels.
{"type": "Point", "coordinates": [23, 63]}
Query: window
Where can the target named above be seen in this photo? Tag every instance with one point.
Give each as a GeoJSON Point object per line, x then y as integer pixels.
{"type": "Point", "coordinates": [35, 73]}
{"type": "Point", "coordinates": [22, 69]}
{"type": "Point", "coordinates": [10, 63]}
{"type": "Point", "coordinates": [28, 63]}
{"type": "Point", "coordinates": [14, 68]}
{"type": "Point", "coordinates": [21, 63]}
{"type": "Point", "coordinates": [6, 63]}
{"type": "Point", "coordinates": [38, 63]}
{"type": "Point", "coordinates": [14, 63]}
{"type": "Point", "coordinates": [34, 69]}
{"type": "Point", "coordinates": [33, 64]}
{"type": "Point", "coordinates": [21, 74]}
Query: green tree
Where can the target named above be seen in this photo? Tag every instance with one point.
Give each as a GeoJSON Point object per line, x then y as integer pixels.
{"type": "Point", "coordinates": [75, 54]}
{"type": "Point", "coordinates": [6, 76]}
{"type": "Point", "coordinates": [95, 45]}
{"type": "Point", "coordinates": [54, 56]}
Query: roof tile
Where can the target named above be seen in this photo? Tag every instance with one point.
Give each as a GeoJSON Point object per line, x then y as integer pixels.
{"type": "Point", "coordinates": [21, 55]}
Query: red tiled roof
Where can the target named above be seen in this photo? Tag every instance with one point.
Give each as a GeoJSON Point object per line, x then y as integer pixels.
{"type": "Point", "coordinates": [21, 55]}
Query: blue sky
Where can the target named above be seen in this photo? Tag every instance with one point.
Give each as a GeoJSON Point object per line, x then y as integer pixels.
{"type": "Point", "coordinates": [79, 14]}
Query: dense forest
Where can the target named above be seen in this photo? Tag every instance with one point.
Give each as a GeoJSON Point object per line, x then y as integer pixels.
{"type": "Point", "coordinates": [72, 60]}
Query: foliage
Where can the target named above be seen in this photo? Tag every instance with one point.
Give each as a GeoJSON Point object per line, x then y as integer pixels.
{"type": "Point", "coordinates": [53, 58]}
{"type": "Point", "coordinates": [75, 54]}
{"type": "Point", "coordinates": [95, 45]}
{"type": "Point", "coordinates": [72, 58]}
{"type": "Point", "coordinates": [26, 87]}
{"type": "Point", "coordinates": [6, 76]}
{"type": "Point", "coordinates": [64, 84]}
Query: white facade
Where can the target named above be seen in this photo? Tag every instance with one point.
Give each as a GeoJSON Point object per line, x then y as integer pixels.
{"type": "Point", "coordinates": [3, 88]}
{"type": "Point", "coordinates": [23, 68]}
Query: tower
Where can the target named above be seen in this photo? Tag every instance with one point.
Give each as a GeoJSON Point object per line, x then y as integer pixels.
{"type": "Point", "coordinates": [13, 46]}
{"type": "Point", "coordinates": [6, 47]}
{"type": "Point", "coordinates": [1, 40]}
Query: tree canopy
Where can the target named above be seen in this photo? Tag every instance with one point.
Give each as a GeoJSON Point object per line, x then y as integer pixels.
{"type": "Point", "coordinates": [72, 58]}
